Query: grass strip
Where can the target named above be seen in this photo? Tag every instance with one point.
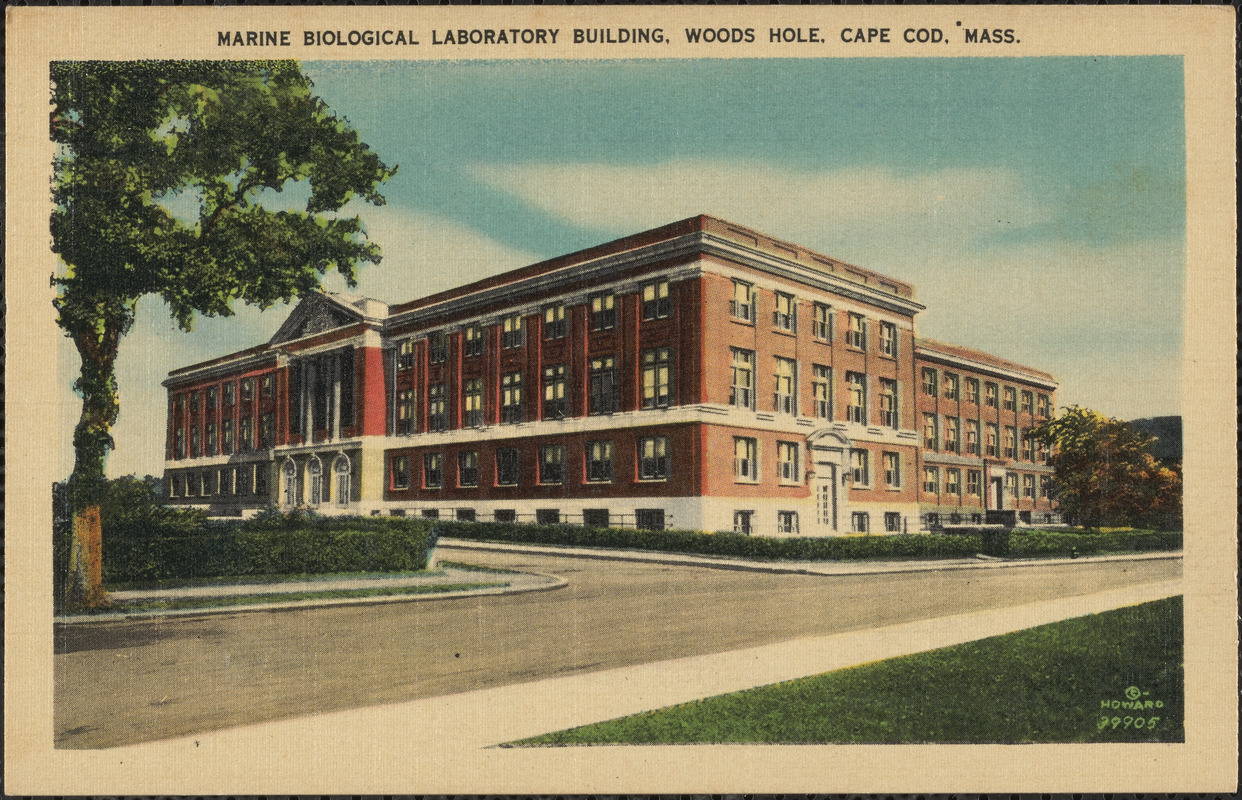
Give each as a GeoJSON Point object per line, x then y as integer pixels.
{"type": "Point", "coordinates": [1069, 681]}
{"type": "Point", "coordinates": [261, 599]}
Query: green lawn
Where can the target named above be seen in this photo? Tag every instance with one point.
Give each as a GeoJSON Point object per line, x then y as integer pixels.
{"type": "Point", "coordinates": [1045, 684]}
{"type": "Point", "coordinates": [286, 597]}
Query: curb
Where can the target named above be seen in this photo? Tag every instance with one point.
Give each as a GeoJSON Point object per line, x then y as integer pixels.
{"type": "Point", "coordinates": [829, 568]}
{"type": "Point", "coordinates": [553, 582]}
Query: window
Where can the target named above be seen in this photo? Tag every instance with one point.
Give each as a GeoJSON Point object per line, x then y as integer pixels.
{"type": "Point", "coordinates": [742, 391]}
{"type": "Point", "coordinates": [513, 331]}
{"type": "Point", "coordinates": [472, 403]}
{"type": "Point", "coordinates": [953, 481]}
{"type": "Point", "coordinates": [196, 442]}
{"type": "Point", "coordinates": [212, 441]}
{"type": "Point", "coordinates": [1011, 403]}
{"type": "Point", "coordinates": [649, 519]}
{"type": "Point", "coordinates": [974, 482]}
{"type": "Point", "coordinates": [605, 394]}
{"type": "Point", "coordinates": [992, 446]}
{"type": "Point", "coordinates": [892, 522]}
{"type": "Point", "coordinates": [247, 390]}
{"type": "Point", "coordinates": [989, 394]}
{"type": "Point", "coordinates": [267, 386]}
{"type": "Point", "coordinates": [931, 480]}
{"type": "Point", "coordinates": [972, 390]}
{"type": "Point", "coordinates": [1043, 405]}
{"type": "Point", "coordinates": [657, 304]}
{"type": "Point", "coordinates": [743, 522]}
{"type": "Point", "coordinates": [260, 480]}
{"type": "Point", "coordinates": [657, 371]}
{"type": "Point", "coordinates": [860, 522]}
{"type": "Point", "coordinates": [931, 437]}
{"type": "Point", "coordinates": [210, 483]}
{"type": "Point", "coordinates": [1045, 486]}
{"type": "Point", "coordinates": [555, 325]}
{"type": "Point", "coordinates": [405, 412]}
{"type": "Point", "coordinates": [179, 443]}
{"type": "Point", "coordinates": [786, 386]}
{"type": "Point", "coordinates": [1027, 448]}
{"type": "Point", "coordinates": [547, 516]}
{"type": "Point", "coordinates": [822, 327]}
{"type": "Point", "coordinates": [193, 402]}
{"type": "Point", "coordinates": [1041, 452]}
{"type": "Point", "coordinates": [512, 407]}
{"type": "Point", "coordinates": [856, 386]}
{"type": "Point", "coordinates": [267, 430]}
{"type": "Point", "coordinates": [430, 513]}
{"type": "Point", "coordinates": [437, 347]}
{"type": "Point", "coordinates": [473, 341]}
{"type": "Point", "coordinates": [437, 407]}
{"type": "Point", "coordinates": [951, 441]}
{"type": "Point", "coordinates": [552, 463]}
{"type": "Point", "coordinates": [888, 339]}
{"type": "Point", "coordinates": [226, 436]}
{"type": "Point", "coordinates": [653, 458]}
{"type": "Point", "coordinates": [972, 437]}
{"type": "Point", "coordinates": [929, 382]}
{"type": "Point", "coordinates": [468, 469]}
{"type": "Point", "coordinates": [1011, 441]}
{"type": "Point", "coordinates": [191, 485]}
{"type": "Point", "coordinates": [314, 475]}
{"type": "Point", "coordinates": [856, 336]}
{"type": "Point", "coordinates": [603, 312]}
{"type": "Point", "coordinates": [951, 384]}
{"type": "Point", "coordinates": [599, 461]}
{"type": "Point", "coordinates": [405, 354]}
{"type": "Point", "coordinates": [213, 397]}
{"type": "Point", "coordinates": [743, 303]}
{"type": "Point", "coordinates": [1028, 486]}
{"type": "Point", "coordinates": [892, 470]}
{"type": "Point", "coordinates": [466, 515]}
{"type": "Point", "coordinates": [508, 466]}
{"type": "Point", "coordinates": [1028, 402]}
{"type": "Point", "coordinates": [745, 459]}
{"type": "Point", "coordinates": [505, 515]}
{"type": "Point", "coordinates": [888, 403]}
{"type": "Point", "coordinates": [787, 522]}
{"type": "Point", "coordinates": [860, 472]}
{"type": "Point", "coordinates": [822, 387]}
{"type": "Point", "coordinates": [1011, 485]}
{"type": "Point", "coordinates": [245, 435]}
{"type": "Point", "coordinates": [555, 401]}
{"type": "Point", "coordinates": [340, 474]}
{"type": "Point", "coordinates": [433, 470]}
{"type": "Point", "coordinates": [230, 394]}
{"type": "Point", "coordinates": [595, 517]}
{"type": "Point", "coordinates": [785, 317]}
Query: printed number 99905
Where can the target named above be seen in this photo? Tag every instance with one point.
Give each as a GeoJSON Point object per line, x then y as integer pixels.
{"type": "Point", "coordinates": [1128, 722]}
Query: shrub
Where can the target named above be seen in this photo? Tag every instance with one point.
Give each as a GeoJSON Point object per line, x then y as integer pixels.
{"type": "Point", "coordinates": [271, 545]}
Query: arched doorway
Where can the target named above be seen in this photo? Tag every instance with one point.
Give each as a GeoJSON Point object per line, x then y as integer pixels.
{"type": "Point", "coordinates": [830, 453]}
{"type": "Point", "coordinates": [341, 479]}
{"type": "Point", "coordinates": [289, 480]}
{"type": "Point", "coordinates": [314, 481]}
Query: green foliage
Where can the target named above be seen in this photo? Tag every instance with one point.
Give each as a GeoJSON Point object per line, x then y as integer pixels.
{"type": "Point", "coordinates": [831, 548]}
{"type": "Point", "coordinates": [1105, 473]}
{"type": "Point", "coordinates": [1044, 684]}
{"type": "Point", "coordinates": [295, 544]}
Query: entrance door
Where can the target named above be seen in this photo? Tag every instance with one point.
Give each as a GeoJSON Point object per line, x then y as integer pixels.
{"type": "Point", "coordinates": [826, 496]}
{"type": "Point", "coordinates": [998, 494]}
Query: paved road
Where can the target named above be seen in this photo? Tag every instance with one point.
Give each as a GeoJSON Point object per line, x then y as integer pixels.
{"type": "Point", "coordinates": [128, 682]}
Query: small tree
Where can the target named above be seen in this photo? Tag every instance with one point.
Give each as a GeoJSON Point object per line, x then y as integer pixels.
{"type": "Point", "coordinates": [1105, 474]}
{"type": "Point", "coordinates": [161, 177]}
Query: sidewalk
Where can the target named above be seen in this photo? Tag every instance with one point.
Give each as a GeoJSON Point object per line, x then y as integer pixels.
{"type": "Point", "coordinates": [459, 734]}
{"type": "Point", "coordinates": [494, 583]}
{"type": "Point", "coordinates": [791, 567]}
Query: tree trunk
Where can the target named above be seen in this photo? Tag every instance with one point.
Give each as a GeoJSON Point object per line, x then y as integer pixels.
{"type": "Point", "coordinates": [92, 439]}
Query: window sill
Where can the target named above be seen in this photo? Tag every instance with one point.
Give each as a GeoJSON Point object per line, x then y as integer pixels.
{"type": "Point", "coordinates": [784, 332]}
{"type": "Point", "coordinates": [740, 321]}
{"type": "Point", "coordinates": [652, 480]}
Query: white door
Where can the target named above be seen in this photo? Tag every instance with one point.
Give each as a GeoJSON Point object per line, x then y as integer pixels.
{"type": "Point", "coordinates": [826, 496]}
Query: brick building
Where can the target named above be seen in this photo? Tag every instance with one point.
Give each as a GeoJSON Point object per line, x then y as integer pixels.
{"type": "Point", "coordinates": [699, 375]}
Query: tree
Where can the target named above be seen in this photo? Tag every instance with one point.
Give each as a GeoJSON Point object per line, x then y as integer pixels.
{"type": "Point", "coordinates": [166, 181]}
{"type": "Point", "coordinates": [1105, 474]}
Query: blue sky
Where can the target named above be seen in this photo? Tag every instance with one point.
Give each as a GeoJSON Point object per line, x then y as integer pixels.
{"type": "Point", "coordinates": [1037, 204]}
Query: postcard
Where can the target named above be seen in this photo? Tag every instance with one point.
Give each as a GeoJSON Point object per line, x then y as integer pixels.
{"type": "Point", "coordinates": [560, 400]}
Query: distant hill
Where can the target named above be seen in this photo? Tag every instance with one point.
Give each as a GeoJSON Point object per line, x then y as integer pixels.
{"type": "Point", "coordinates": [1168, 433]}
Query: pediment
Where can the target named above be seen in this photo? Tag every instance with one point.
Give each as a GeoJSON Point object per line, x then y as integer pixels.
{"type": "Point", "coordinates": [317, 313]}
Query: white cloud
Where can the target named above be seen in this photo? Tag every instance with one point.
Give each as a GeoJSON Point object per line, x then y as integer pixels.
{"type": "Point", "coordinates": [805, 206]}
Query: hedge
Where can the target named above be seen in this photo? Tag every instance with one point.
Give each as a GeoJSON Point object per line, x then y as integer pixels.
{"type": "Point", "coordinates": [149, 550]}
{"type": "Point", "coordinates": [833, 548]}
